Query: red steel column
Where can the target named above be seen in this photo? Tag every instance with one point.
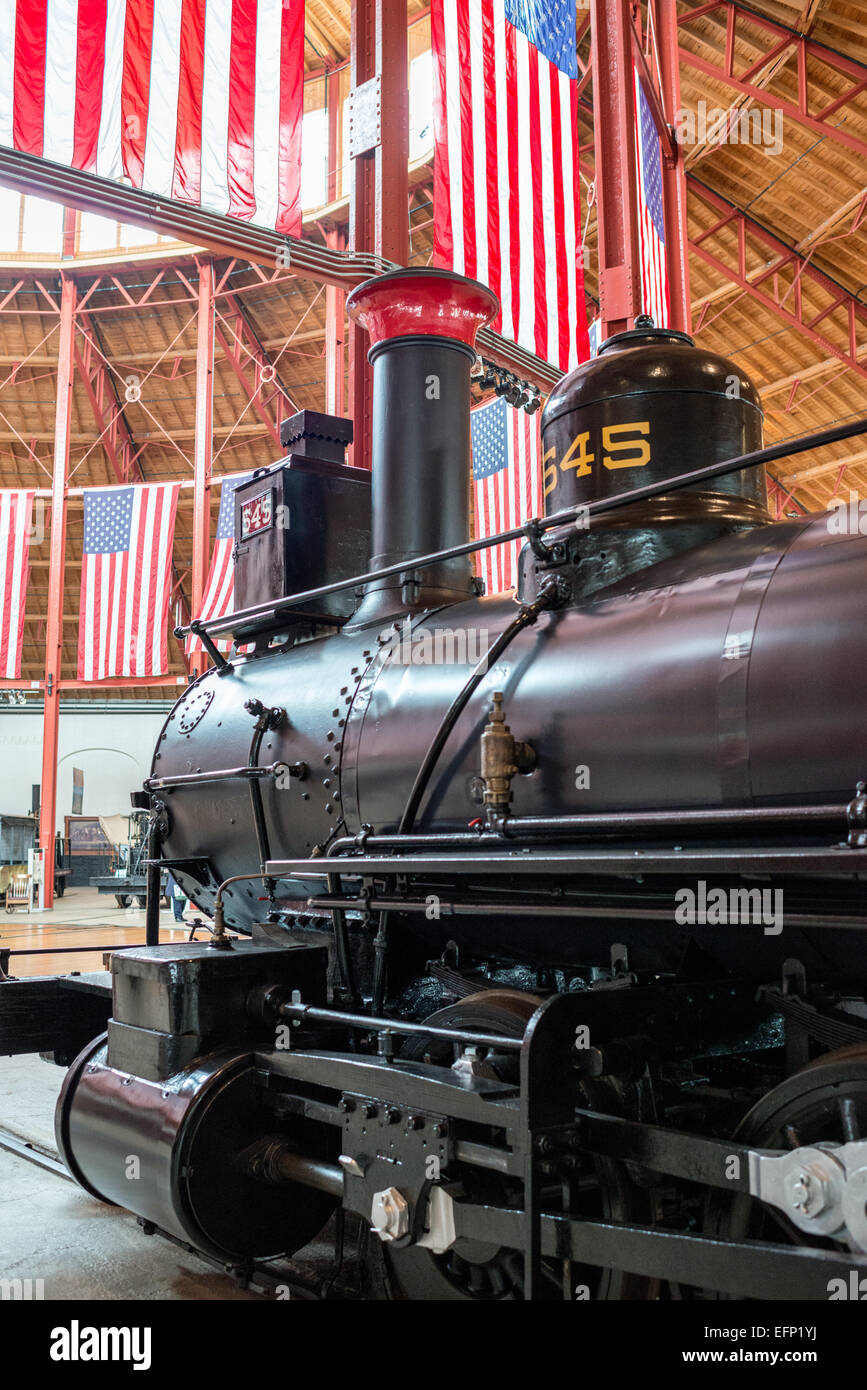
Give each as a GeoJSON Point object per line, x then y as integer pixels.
{"type": "Point", "coordinates": [673, 172]}
{"type": "Point", "coordinates": [335, 370]}
{"type": "Point", "coordinates": [202, 446]}
{"type": "Point", "coordinates": [335, 392]}
{"type": "Point", "coordinates": [616, 192]}
{"type": "Point", "coordinates": [379, 186]}
{"type": "Point", "coordinates": [56, 569]}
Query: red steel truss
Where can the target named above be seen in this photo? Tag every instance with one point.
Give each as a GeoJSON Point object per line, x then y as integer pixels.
{"type": "Point", "coordinates": [814, 107]}
{"type": "Point", "coordinates": [776, 275]}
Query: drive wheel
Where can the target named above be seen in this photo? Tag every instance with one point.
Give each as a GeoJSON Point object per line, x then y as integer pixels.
{"type": "Point", "coordinates": [825, 1102]}
{"type": "Point", "coordinates": [473, 1271]}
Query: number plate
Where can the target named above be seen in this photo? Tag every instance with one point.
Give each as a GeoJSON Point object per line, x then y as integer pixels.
{"type": "Point", "coordinates": [257, 514]}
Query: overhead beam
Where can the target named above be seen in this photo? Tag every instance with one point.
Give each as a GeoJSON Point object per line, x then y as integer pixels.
{"type": "Point", "coordinates": [783, 298]}
{"type": "Point", "coordinates": [227, 236]}
{"type": "Point", "coordinates": [821, 470]}
{"type": "Point", "coordinates": [252, 390]}
{"type": "Point", "coordinates": [785, 44]}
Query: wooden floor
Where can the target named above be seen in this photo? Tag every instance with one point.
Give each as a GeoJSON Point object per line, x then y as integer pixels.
{"type": "Point", "coordinates": [81, 918]}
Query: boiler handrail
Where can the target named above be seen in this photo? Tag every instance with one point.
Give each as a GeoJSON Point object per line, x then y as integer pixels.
{"type": "Point", "coordinates": [232, 621]}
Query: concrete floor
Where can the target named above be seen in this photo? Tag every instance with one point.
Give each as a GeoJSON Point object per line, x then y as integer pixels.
{"type": "Point", "coordinates": [49, 1228]}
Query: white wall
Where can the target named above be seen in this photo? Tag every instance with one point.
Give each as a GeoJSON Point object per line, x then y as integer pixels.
{"type": "Point", "coordinates": [112, 746]}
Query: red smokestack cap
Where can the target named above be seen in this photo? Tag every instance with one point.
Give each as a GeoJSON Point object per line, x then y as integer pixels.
{"type": "Point", "coordinates": [403, 303]}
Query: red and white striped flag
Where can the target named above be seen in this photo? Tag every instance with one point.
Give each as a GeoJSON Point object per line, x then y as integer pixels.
{"type": "Point", "coordinates": [126, 580]}
{"type": "Point", "coordinates": [199, 100]}
{"type": "Point", "coordinates": [507, 485]}
{"type": "Point", "coordinates": [16, 525]}
{"type": "Point", "coordinates": [506, 188]}
{"type": "Point", "coordinates": [219, 596]}
{"type": "Point", "coordinates": [651, 219]}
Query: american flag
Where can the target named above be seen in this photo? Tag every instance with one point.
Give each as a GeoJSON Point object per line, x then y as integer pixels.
{"type": "Point", "coordinates": [16, 524]}
{"type": "Point", "coordinates": [125, 580]}
{"type": "Point", "coordinates": [651, 221]}
{"type": "Point", "coordinates": [507, 485]}
{"type": "Point", "coordinates": [506, 189]}
{"type": "Point", "coordinates": [219, 596]}
{"type": "Point", "coordinates": [199, 100]}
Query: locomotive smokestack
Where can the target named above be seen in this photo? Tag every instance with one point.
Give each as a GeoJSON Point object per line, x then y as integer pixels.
{"type": "Point", "coordinates": [422, 326]}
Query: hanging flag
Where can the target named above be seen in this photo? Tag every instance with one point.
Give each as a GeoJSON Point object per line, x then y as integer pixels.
{"type": "Point", "coordinates": [506, 188]}
{"type": "Point", "coordinates": [219, 596]}
{"type": "Point", "coordinates": [126, 580]}
{"type": "Point", "coordinates": [198, 100]}
{"type": "Point", "coordinates": [507, 485]}
{"type": "Point", "coordinates": [651, 220]}
{"type": "Point", "coordinates": [16, 528]}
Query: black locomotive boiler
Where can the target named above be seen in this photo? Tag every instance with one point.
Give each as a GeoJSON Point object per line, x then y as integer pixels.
{"type": "Point", "coordinates": [532, 912]}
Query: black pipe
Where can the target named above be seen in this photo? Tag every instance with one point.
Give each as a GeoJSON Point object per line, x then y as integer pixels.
{"type": "Point", "coordinates": [192, 779]}
{"type": "Point", "coordinates": [254, 773]}
{"type": "Point", "coordinates": [724, 818]}
{"type": "Point", "coordinates": [632, 822]}
{"type": "Point", "coordinates": [153, 880]}
{"type": "Point", "coordinates": [538, 524]}
{"type": "Point", "coordinates": [309, 1012]}
{"type": "Point", "coordinates": [198, 629]}
{"type": "Point", "coordinates": [549, 595]}
{"type": "Point", "coordinates": [619, 913]}
{"type": "Point", "coordinates": [342, 948]}
{"type": "Point", "coordinates": [74, 950]}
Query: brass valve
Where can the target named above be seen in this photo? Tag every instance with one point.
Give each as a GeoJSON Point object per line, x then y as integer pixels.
{"type": "Point", "coordinates": [502, 757]}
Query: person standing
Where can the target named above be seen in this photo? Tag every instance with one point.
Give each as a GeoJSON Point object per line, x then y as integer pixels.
{"type": "Point", "coordinates": [177, 898]}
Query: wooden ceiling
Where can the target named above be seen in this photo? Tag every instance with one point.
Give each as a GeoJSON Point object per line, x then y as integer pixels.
{"type": "Point", "coordinates": [810, 195]}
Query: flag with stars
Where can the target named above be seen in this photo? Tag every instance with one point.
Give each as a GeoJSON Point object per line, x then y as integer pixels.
{"type": "Point", "coordinates": [219, 596]}
{"type": "Point", "coordinates": [16, 527]}
{"type": "Point", "coordinates": [507, 485]}
{"type": "Point", "coordinates": [506, 186]}
{"type": "Point", "coordinates": [651, 220]}
{"type": "Point", "coordinates": [126, 580]}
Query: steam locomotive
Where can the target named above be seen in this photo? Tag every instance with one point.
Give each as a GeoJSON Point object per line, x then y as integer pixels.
{"type": "Point", "coordinates": [535, 957]}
